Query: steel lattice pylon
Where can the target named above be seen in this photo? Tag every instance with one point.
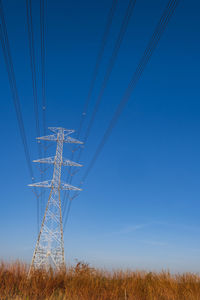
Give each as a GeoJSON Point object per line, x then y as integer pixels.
{"type": "Point", "coordinates": [50, 247]}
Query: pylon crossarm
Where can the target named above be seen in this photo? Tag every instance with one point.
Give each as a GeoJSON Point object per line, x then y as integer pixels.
{"type": "Point", "coordinates": [46, 184]}
{"type": "Point", "coordinates": [67, 162]}
{"type": "Point", "coordinates": [51, 137]}
{"type": "Point", "coordinates": [47, 160]}
{"type": "Point", "coordinates": [57, 129]}
{"type": "Point", "coordinates": [66, 186]}
{"type": "Point", "coordinates": [51, 160]}
{"type": "Point", "coordinates": [70, 140]}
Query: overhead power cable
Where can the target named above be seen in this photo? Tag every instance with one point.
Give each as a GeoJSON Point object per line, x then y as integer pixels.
{"type": "Point", "coordinates": [164, 20]}
{"type": "Point", "coordinates": [109, 69]}
{"type": "Point", "coordinates": [34, 86]}
{"type": "Point", "coordinates": [42, 40]}
{"type": "Point", "coordinates": [111, 64]}
{"type": "Point", "coordinates": [97, 64]}
{"type": "Point", "coordinates": [161, 26]}
{"type": "Point", "coordinates": [32, 61]}
{"type": "Point", "coordinates": [42, 48]}
{"type": "Point", "coordinates": [91, 88]}
{"type": "Point", "coordinates": [67, 214]}
{"type": "Point", "coordinates": [13, 86]}
{"type": "Point", "coordinates": [14, 92]}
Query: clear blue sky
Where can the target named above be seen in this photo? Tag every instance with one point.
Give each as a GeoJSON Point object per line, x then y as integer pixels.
{"type": "Point", "coordinates": [140, 207]}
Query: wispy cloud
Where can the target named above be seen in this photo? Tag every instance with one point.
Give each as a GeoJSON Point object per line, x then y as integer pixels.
{"type": "Point", "coordinates": [135, 227]}
{"type": "Point", "coordinates": [129, 229]}
{"type": "Point", "coordinates": [178, 225]}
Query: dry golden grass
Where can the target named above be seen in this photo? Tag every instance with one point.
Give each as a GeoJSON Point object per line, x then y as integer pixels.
{"type": "Point", "coordinates": [85, 283]}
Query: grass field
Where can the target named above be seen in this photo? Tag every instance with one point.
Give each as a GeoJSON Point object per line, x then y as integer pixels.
{"type": "Point", "coordinates": [84, 283]}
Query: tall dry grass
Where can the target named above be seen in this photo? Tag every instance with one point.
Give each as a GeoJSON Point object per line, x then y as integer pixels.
{"type": "Point", "coordinates": [84, 283]}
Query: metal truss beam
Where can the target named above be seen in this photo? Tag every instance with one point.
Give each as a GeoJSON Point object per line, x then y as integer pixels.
{"type": "Point", "coordinates": [49, 248]}
{"type": "Point", "coordinates": [51, 160]}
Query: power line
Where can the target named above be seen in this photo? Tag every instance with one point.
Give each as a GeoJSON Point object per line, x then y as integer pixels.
{"type": "Point", "coordinates": [13, 86]}
{"type": "Point", "coordinates": [14, 92]}
{"type": "Point", "coordinates": [42, 50]}
{"type": "Point", "coordinates": [32, 61]}
{"type": "Point", "coordinates": [109, 69]}
{"type": "Point", "coordinates": [16, 103]}
{"type": "Point", "coordinates": [163, 22]}
{"type": "Point", "coordinates": [91, 88]}
{"type": "Point", "coordinates": [111, 64]}
{"type": "Point", "coordinates": [97, 64]}
{"type": "Point", "coordinates": [42, 40]}
{"type": "Point", "coordinates": [34, 86]}
{"type": "Point", "coordinates": [67, 214]}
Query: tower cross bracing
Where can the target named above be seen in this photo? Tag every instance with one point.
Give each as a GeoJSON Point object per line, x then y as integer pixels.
{"type": "Point", "coordinates": [49, 248]}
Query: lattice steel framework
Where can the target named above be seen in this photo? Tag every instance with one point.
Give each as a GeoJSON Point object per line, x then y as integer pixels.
{"type": "Point", "coordinates": [49, 248]}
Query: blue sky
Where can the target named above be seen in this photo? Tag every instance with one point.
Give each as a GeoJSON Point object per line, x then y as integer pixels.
{"type": "Point", "coordinates": [140, 204]}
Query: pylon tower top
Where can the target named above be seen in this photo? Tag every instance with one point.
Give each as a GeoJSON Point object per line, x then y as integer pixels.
{"type": "Point", "coordinates": [56, 129]}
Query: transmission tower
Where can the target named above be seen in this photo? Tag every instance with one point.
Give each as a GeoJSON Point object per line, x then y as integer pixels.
{"type": "Point", "coordinates": [49, 250]}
